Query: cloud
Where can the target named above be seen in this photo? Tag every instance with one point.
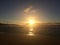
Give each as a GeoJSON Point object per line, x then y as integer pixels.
{"type": "Point", "coordinates": [27, 10]}
{"type": "Point", "coordinates": [30, 11]}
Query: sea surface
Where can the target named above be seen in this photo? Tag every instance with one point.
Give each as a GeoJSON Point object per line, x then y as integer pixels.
{"type": "Point", "coordinates": [33, 35]}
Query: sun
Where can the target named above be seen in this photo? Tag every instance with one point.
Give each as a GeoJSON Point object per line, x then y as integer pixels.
{"type": "Point", "coordinates": [31, 22]}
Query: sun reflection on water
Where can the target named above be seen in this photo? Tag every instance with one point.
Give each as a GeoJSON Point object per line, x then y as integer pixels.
{"type": "Point", "coordinates": [31, 32]}
{"type": "Point", "coordinates": [31, 23]}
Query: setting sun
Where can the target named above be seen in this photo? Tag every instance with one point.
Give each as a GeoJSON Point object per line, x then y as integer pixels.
{"type": "Point", "coordinates": [31, 22]}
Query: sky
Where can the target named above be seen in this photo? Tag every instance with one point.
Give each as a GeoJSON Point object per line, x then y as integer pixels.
{"type": "Point", "coordinates": [17, 11]}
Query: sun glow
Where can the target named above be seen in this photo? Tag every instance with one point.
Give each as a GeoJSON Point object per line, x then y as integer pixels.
{"type": "Point", "coordinates": [31, 22]}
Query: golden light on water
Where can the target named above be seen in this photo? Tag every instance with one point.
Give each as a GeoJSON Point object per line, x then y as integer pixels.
{"type": "Point", "coordinates": [31, 34]}
{"type": "Point", "coordinates": [31, 29]}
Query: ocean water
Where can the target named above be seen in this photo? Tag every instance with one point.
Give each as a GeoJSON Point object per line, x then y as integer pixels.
{"type": "Point", "coordinates": [38, 35]}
